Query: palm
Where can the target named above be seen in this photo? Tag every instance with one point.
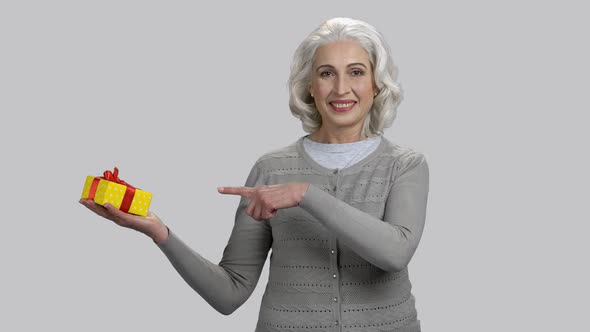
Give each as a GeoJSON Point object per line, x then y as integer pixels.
{"type": "Point", "coordinates": [141, 224]}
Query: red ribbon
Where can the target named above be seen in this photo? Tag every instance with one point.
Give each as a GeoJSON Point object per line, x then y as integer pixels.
{"type": "Point", "coordinates": [114, 177]}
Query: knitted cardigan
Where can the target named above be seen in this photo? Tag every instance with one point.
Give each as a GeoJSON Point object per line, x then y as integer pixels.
{"type": "Point", "coordinates": [339, 259]}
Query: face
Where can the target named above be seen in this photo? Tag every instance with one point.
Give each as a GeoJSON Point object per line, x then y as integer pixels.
{"type": "Point", "coordinates": [342, 85]}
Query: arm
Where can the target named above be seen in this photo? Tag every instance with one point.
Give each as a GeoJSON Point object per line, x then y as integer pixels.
{"type": "Point", "coordinates": [227, 285]}
{"type": "Point", "coordinates": [390, 243]}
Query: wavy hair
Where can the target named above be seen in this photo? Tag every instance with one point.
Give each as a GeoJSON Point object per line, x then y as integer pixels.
{"type": "Point", "coordinates": [384, 108]}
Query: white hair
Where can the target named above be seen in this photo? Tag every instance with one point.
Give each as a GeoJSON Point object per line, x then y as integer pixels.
{"type": "Point", "coordinates": [384, 108]}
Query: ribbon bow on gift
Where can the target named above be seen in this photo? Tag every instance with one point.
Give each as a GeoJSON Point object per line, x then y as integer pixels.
{"type": "Point", "coordinates": [114, 177]}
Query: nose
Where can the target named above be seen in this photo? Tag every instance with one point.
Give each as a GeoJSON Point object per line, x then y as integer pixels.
{"type": "Point", "coordinates": [342, 85]}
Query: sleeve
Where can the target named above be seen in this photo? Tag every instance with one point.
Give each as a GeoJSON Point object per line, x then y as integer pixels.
{"type": "Point", "coordinates": [227, 285]}
{"type": "Point", "coordinates": [389, 243]}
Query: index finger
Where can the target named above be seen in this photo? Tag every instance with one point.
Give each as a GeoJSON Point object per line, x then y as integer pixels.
{"type": "Point", "coordinates": [243, 191]}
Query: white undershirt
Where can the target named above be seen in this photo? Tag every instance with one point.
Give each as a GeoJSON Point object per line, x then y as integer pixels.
{"type": "Point", "coordinates": [340, 155]}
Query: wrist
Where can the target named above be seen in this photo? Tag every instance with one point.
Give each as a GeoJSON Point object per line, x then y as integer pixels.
{"type": "Point", "coordinates": [160, 234]}
{"type": "Point", "coordinates": [305, 186]}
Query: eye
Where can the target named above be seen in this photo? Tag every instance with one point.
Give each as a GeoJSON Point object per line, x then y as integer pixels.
{"type": "Point", "coordinates": [326, 73]}
{"type": "Point", "coordinates": [357, 72]}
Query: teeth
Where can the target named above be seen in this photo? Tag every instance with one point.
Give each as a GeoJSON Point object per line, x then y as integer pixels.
{"type": "Point", "coordinates": [342, 105]}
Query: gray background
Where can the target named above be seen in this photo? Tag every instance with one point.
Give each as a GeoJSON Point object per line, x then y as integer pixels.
{"type": "Point", "coordinates": [184, 97]}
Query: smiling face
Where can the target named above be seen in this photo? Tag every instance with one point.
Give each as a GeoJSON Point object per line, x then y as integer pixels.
{"type": "Point", "coordinates": [343, 88]}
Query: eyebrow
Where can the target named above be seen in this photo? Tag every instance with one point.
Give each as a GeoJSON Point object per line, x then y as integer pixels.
{"type": "Point", "coordinates": [350, 65]}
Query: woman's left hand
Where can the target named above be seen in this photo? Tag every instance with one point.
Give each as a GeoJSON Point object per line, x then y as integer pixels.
{"type": "Point", "coordinates": [266, 200]}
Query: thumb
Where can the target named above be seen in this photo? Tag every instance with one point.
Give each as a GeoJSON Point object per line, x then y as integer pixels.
{"type": "Point", "coordinates": [123, 218]}
{"type": "Point", "coordinates": [114, 211]}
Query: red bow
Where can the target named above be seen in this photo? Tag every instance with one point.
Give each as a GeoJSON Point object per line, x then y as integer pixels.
{"type": "Point", "coordinates": [114, 177]}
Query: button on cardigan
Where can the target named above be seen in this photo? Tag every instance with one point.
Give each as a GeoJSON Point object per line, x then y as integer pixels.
{"type": "Point", "coordinates": [339, 259]}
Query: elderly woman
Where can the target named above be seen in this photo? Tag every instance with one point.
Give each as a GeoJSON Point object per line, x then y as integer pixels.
{"type": "Point", "coordinates": [342, 208]}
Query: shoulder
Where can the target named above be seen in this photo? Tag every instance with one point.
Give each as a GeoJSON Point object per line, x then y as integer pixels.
{"type": "Point", "coordinates": [402, 158]}
{"type": "Point", "coordinates": [279, 158]}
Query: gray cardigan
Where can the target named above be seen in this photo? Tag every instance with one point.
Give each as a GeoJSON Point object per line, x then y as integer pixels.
{"type": "Point", "coordinates": [339, 259]}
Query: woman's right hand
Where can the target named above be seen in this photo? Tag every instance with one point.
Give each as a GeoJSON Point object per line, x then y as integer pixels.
{"type": "Point", "coordinates": [149, 225]}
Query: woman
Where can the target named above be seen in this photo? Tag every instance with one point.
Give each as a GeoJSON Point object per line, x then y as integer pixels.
{"type": "Point", "coordinates": [342, 208]}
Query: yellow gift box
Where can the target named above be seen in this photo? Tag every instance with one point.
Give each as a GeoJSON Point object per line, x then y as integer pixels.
{"type": "Point", "coordinates": [110, 189]}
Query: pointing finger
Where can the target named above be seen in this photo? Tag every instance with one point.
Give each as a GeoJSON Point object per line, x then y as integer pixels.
{"type": "Point", "coordinates": [243, 191]}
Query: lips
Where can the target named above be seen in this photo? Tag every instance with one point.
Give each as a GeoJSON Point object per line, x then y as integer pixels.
{"type": "Point", "coordinates": [342, 105]}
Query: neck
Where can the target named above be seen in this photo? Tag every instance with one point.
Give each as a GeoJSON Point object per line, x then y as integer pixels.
{"type": "Point", "coordinates": [322, 136]}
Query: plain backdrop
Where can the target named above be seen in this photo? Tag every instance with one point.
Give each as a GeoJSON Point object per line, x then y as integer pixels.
{"type": "Point", "coordinates": [184, 96]}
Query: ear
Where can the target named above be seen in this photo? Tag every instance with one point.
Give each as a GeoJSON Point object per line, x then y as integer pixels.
{"type": "Point", "coordinates": [375, 89]}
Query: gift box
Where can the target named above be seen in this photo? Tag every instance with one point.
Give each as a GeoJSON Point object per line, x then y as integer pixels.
{"type": "Point", "coordinates": [110, 189]}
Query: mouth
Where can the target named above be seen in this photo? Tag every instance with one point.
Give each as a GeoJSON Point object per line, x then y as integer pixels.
{"type": "Point", "coordinates": [342, 106]}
